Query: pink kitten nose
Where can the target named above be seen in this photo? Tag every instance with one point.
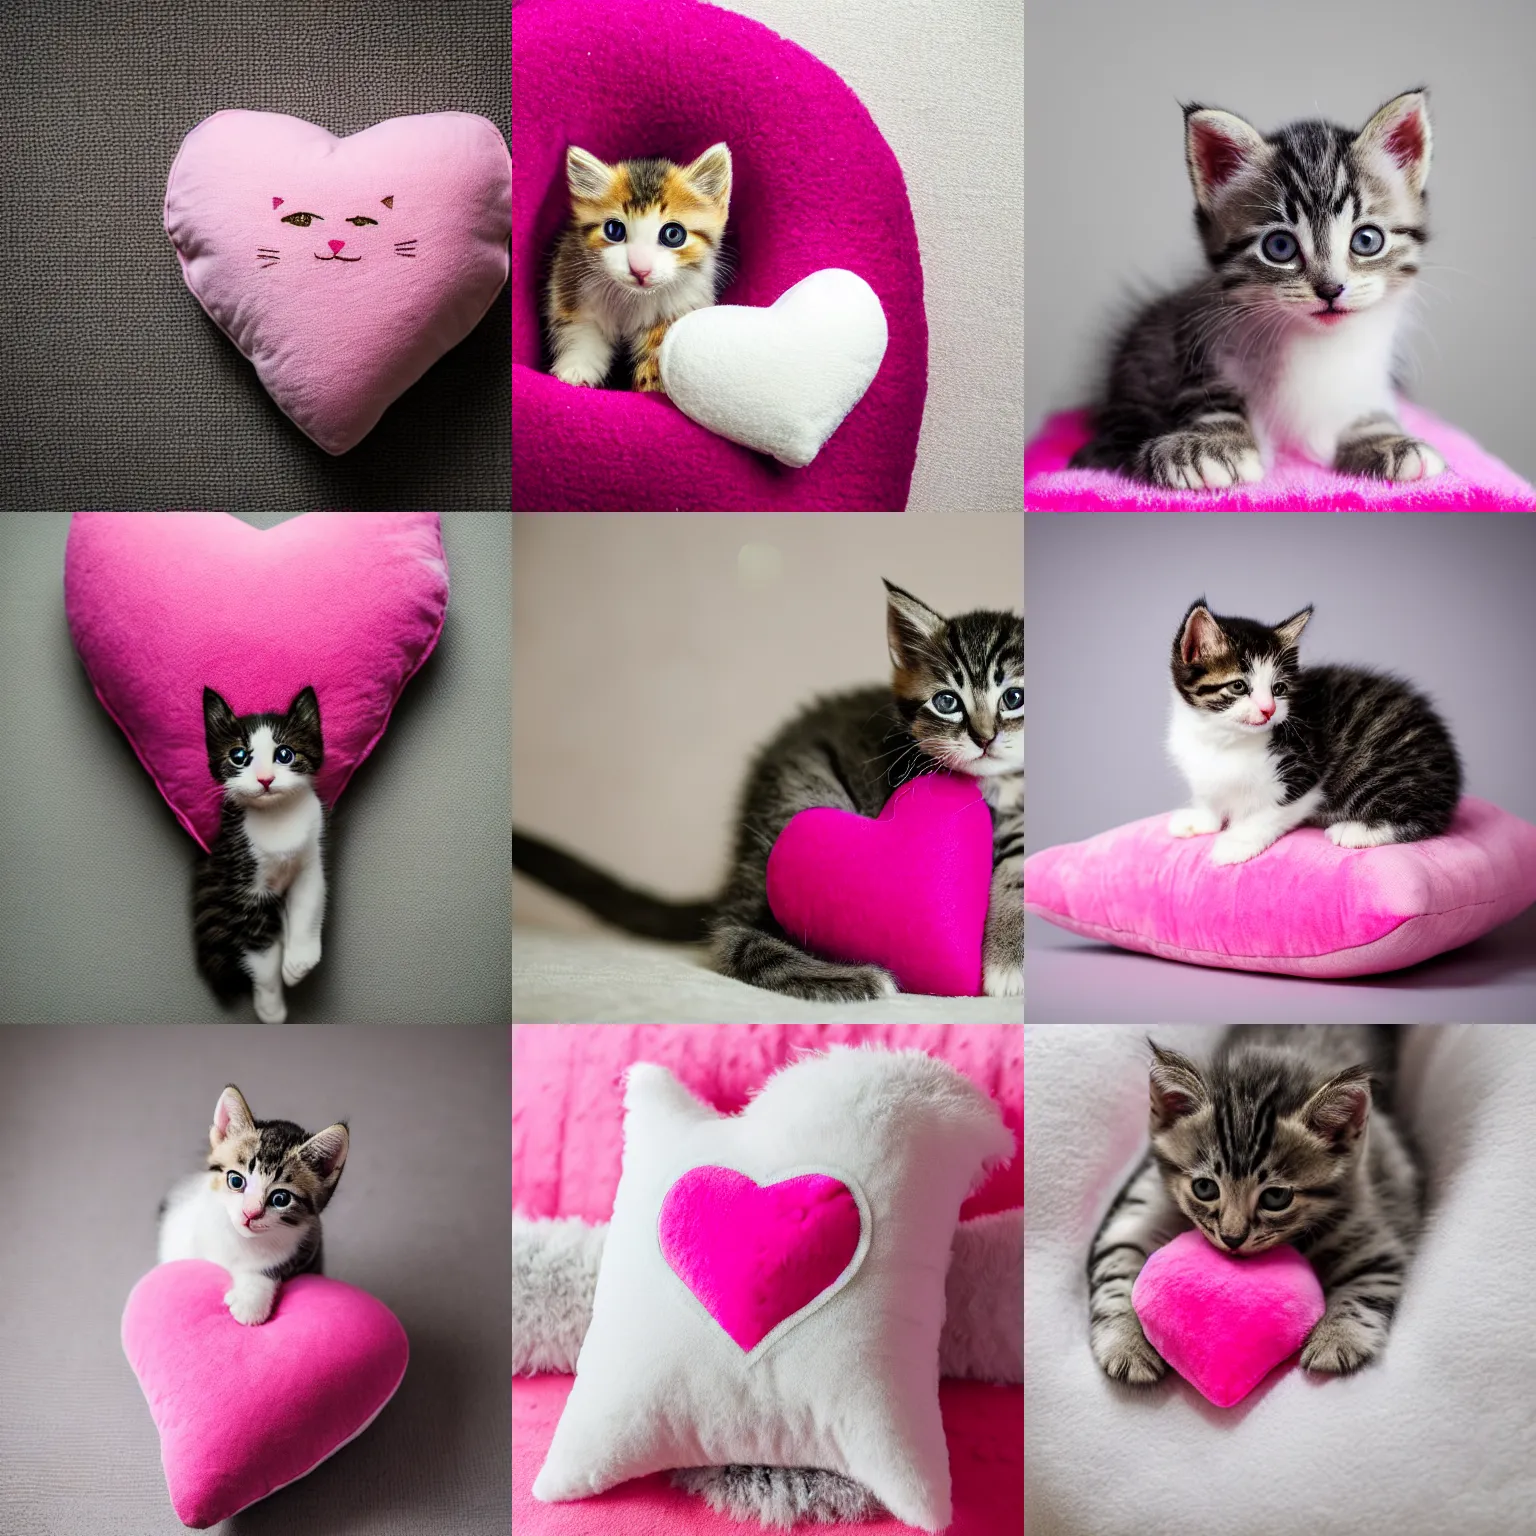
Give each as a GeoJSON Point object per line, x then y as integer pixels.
{"type": "Point", "coordinates": [335, 245]}
{"type": "Point", "coordinates": [1267, 709]}
{"type": "Point", "coordinates": [267, 783]}
{"type": "Point", "coordinates": [640, 274]}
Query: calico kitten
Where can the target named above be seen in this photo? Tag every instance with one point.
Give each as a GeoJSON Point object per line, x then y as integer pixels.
{"type": "Point", "coordinates": [1268, 745]}
{"type": "Point", "coordinates": [956, 702]}
{"type": "Point", "coordinates": [642, 250]}
{"type": "Point", "coordinates": [1277, 1140]}
{"type": "Point", "coordinates": [255, 1210]}
{"type": "Point", "coordinates": [344, 234]}
{"type": "Point", "coordinates": [258, 898]}
{"type": "Point", "coordinates": [1313, 237]}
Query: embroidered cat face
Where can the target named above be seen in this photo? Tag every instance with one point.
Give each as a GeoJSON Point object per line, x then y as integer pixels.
{"type": "Point", "coordinates": [1235, 671]}
{"type": "Point", "coordinates": [337, 232]}
{"type": "Point", "coordinates": [647, 223]}
{"type": "Point", "coordinates": [263, 759]}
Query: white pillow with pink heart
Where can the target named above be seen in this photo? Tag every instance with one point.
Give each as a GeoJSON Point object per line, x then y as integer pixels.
{"type": "Point", "coordinates": [772, 1286]}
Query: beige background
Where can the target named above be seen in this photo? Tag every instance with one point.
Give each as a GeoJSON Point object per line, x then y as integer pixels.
{"type": "Point", "coordinates": [651, 655]}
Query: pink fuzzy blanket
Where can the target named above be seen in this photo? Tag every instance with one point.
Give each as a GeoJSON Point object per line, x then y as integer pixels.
{"type": "Point", "coordinates": [1474, 481]}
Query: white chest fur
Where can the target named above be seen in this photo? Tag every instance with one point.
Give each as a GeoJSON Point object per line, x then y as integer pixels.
{"type": "Point", "coordinates": [1232, 773]}
{"type": "Point", "coordinates": [285, 840]}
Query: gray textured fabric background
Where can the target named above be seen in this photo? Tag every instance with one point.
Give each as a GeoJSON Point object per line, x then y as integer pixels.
{"type": "Point", "coordinates": [95, 871]}
{"type": "Point", "coordinates": [95, 1124]}
{"type": "Point", "coordinates": [116, 391]}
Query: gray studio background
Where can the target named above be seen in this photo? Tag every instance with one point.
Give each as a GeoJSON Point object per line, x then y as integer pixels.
{"type": "Point", "coordinates": [95, 871]}
{"type": "Point", "coordinates": [95, 1125]}
{"type": "Point", "coordinates": [1107, 198]}
{"type": "Point", "coordinates": [1445, 601]}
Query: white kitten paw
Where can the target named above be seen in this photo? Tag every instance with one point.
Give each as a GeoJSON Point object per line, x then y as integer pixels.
{"type": "Point", "coordinates": [1193, 821]}
{"type": "Point", "coordinates": [1236, 846]}
{"type": "Point", "coordinates": [270, 1007]}
{"type": "Point", "coordinates": [300, 957]}
{"type": "Point", "coordinates": [581, 371]}
{"type": "Point", "coordinates": [1003, 981]}
{"type": "Point", "coordinates": [251, 1305]}
{"type": "Point", "coordinates": [1359, 834]}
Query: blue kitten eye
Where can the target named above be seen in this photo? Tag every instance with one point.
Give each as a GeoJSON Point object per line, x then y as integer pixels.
{"type": "Point", "coordinates": [613, 231]}
{"type": "Point", "coordinates": [946, 703]}
{"type": "Point", "coordinates": [281, 1197]}
{"type": "Point", "coordinates": [284, 754]}
{"type": "Point", "coordinates": [236, 1180]}
{"type": "Point", "coordinates": [239, 756]}
{"type": "Point", "coordinates": [1205, 1189]}
{"type": "Point", "coordinates": [673, 235]}
{"type": "Point", "coordinates": [1275, 1199]}
{"type": "Point", "coordinates": [1013, 699]}
{"type": "Point", "coordinates": [1279, 247]}
{"type": "Point", "coordinates": [1368, 241]}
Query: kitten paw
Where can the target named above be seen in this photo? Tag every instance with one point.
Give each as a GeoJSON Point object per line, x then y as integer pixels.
{"type": "Point", "coordinates": [1358, 834]}
{"type": "Point", "coordinates": [1339, 1345]}
{"type": "Point", "coordinates": [579, 371]}
{"type": "Point", "coordinates": [848, 984]}
{"type": "Point", "coordinates": [1193, 821]}
{"type": "Point", "coordinates": [270, 1007]}
{"type": "Point", "coordinates": [1002, 980]}
{"type": "Point", "coordinates": [300, 957]}
{"type": "Point", "coordinates": [250, 1306]}
{"type": "Point", "coordinates": [1389, 456]}
{"type": "Point", "coordinates": [1123, 1353]}
{"type": "Point", "coordinates": [648, 378]}
{"type": "Point", "coordinates": [1200, 461]}
{"type": "Point", "coordinates": [1235, 846]}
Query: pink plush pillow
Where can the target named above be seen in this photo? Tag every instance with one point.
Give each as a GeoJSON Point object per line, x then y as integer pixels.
{"type": "Point", "coordinates": [342, 268]}
{"type": "Point", "coordinates": [907, 889]}
{"type": "Point", "coordinates": [1303, 907]}
{"type": "Point", "coordinates": [162, 604]}
{"type": "Point", "coordinates": [1221, 1322]}
{"type": "Point", "coordinates": [245, 1411]}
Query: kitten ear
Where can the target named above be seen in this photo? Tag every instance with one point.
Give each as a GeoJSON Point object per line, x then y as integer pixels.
{"type": "Point", "coordinates": [1201, 636]}
{"type": "Point", "coordinates": [1399, 134]}
{"type": "Point", "coordinates": [1289, 630]}
{"type": "Point", "coordinates": [1176, 1088]}
{"type": "Point", "coordinates": [911, 627]}
{"type": "Point", "coordinates": [305, 709]}
{"type": "Point", "coordinates": [587, 177]}
{"type": "Point", "coordinates": [1339, 1109]}
{"type": "Point", "coordinates": [219, 720]}
{"type": "Point", "coordinates": [711, 173]}
{"type": "Point", "coordinates": [1218, 146]}
{"type": "Point", "coordinates": [231, 1116]}
{"type": "Point", "coordinates": [326, 1152]}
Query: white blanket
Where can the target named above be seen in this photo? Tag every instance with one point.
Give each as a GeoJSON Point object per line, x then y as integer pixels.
{"type": "Point", "coordinates": [1438, 1438]}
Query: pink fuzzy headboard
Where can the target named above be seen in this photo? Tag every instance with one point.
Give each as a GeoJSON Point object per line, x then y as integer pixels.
{"type": "Point", "coordinates": [1474, 480]}
{"type": "Point", "coordinates": [815, 186]}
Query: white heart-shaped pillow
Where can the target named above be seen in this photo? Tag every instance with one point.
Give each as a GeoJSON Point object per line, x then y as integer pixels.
{"type": "Point", "coordinates": [780, 379]}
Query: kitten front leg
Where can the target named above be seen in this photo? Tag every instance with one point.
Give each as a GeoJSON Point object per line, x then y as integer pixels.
{"type": "Point", "coordinates": [1194, 821]}
{"type": "Point", "coordinates": [648, 360]}
{"type": "Point", "coordinates": [265, 968]}
{"type": "Point", "coordinates": [583, 354]}
{"type": "Point", "coordinates": [251, 1298]}
{"type": "Point", "coordinates": [303, 914]}
{"type": "Point", "coordinates": [1377, 446]}
{"type": "Point", "coordinates": [1141, 1219]}
{"type": "Point", "coordinates": [1214, 450]}
{"type": "Point", "coordinates": [1002, 945]}
{"type": "Point", "coordinates": [1251, 835]}
{"type": "Point", "coordinates": [1353, 1330]}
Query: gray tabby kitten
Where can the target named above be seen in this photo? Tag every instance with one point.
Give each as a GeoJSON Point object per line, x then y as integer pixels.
{"type": "Point", "coordinates": [1268, 745]}
{"type": "Point", "coordinates": [956, 702]}
{"type": "Point", "coordinates": [1313, 237]}
{"type": "Point", "coordinates": [1276, 1141]}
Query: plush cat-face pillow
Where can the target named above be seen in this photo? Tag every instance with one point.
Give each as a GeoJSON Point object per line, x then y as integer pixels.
{"type": "Point", "coordinates": [342, 268]}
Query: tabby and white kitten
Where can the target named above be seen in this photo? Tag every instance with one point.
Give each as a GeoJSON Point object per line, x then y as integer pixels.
{"type": "Point", "coordinates": [258, 898]}
{"type": "Point", "coordinates": [956, 703]}
{"type": "Point", "coordinates": [255, 1210]}
{"type": "Point", "coordinates": [642, 250]}
{"type": "Point", "coordinates": [1313, 237]}
{"type": "Point", "coordinates": [1276, 1141]}
{"type": "Point", "coordinates": [1268, 745]}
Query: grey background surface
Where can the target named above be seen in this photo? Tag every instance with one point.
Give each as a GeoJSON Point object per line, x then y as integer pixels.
{"type": "Point", "coordinates": [95, 871]}
{"type": "Point", "coordinates": [1108, 205]}
{"type": "Point", "coordinates": [95, 1125]}
{"type": "Point", "coordinates": [116, 390]}
{"type": "Point", "coordinates": [1444, 601]}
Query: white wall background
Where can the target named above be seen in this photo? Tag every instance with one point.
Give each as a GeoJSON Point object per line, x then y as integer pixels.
{"type": "Point", "coordinates": [945, 85]}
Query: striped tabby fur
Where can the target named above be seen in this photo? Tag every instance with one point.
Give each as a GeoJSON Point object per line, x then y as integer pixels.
{"type": "Point", "coordinates": [1268, 745]}
{"type": "Point", "coordinates": [1312, 236]}
{"type": "Point", "coordinates": [1290, 1116]}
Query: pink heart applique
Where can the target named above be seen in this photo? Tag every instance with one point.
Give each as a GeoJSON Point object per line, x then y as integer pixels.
{"type": "Point", "coordinates": [1225, 1323]}
{"type": "Point", "coordinates": [907, 889]}
{"type": "Point", "coordinates": [342, 268]}
{"type": "Point", "coordinates": [162, 604]}
{"type": "Point", "coordinates": [242, 1411]}
{"type": "Point", "coordinates": [755, 1254]}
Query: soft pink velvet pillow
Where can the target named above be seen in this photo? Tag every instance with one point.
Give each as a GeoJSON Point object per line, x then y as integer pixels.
{"type": "Point", "coordinates": [245, 1411]}
{"type": "Point", "coordinates": [1303, 907]}
{"type": "Point", "coordinates": [338, 317]}
{"type": "Point", "coordinates": [1225, 1323]}
{"type": "Point", "coordinates": [162, 604]}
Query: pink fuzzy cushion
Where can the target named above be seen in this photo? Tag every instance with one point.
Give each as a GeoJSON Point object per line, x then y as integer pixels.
{"type": "Point", "coordinates": [1221, 1322]}
{"type": "Point", "coordinates": [1303, 907]}
{"type": "Point", "coordinates": [815, 186]}
{"type": "Point", "coordinates": [1474, 480]}
{"type": "Point", "coordinates": [906, 890]}
{"type": "Point", "coordinates": [339, 318]}
{"type": "Point", "coordinates": [244, 1411]}
{"type": "Point", "coordinates": [161, 604]}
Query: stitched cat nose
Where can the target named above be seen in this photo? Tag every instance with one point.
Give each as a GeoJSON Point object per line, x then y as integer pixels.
{"type": "Point", "coordinates": [335, 245]}
{"type": "Point", "coordinates": [1328, 291]}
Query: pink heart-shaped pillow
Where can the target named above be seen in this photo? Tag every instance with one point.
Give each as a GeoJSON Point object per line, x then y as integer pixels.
{"type": "Point", "coordinates": [244, 1411]}
{"type": "Point", "coordinates": [907, 889]}
{"type": "Point", "coordinates": [342, 268]}
{"type": "Point", "coordinates": [1225, 1323]}
{"type": "Point", "coordinates": [758, 1254]}
{"type": "Point", "coordinates": [162, 604]}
